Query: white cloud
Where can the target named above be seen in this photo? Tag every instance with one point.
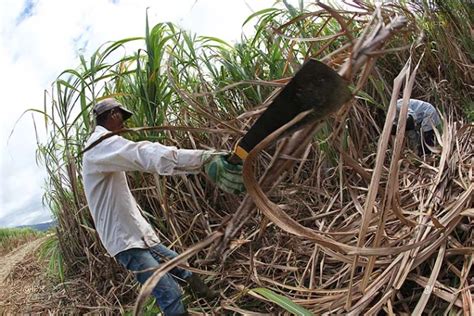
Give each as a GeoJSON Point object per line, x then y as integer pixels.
{"type": "Point", "coordinates": [40, 38]}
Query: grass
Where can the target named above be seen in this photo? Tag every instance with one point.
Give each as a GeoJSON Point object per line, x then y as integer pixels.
{"type": "Point", "coordinates": [11, 238]}
{"type": "Point", "coordinates": [50, 252]}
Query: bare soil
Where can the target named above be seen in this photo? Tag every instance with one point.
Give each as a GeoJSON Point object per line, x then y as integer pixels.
{"type": "Point", "coordinates": [25, 287]}
{"type": "Point", "coordinates": [8, 261]}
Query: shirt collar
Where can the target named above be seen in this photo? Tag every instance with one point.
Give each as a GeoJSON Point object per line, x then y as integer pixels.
{"type": "Point", "coordinates": [100, 128]}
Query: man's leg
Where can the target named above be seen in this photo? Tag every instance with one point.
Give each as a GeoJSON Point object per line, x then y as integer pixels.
{"type": "Point", "coordinates": [162, 253]}
{"type": "Point", "coordinates": [167, 292]}
{"type": "Point", "coordinates": [195, 284]}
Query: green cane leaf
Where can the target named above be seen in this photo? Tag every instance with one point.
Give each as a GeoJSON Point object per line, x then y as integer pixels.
{"type": "Point", "coordinates": [283, 302]}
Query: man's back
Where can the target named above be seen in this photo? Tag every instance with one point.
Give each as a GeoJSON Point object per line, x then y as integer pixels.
{"type": "Point", "coordinates": [424, 113]}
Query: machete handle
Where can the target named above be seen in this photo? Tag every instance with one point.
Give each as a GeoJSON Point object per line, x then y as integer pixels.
{"type": "Point", "coordinates": [238, 155]}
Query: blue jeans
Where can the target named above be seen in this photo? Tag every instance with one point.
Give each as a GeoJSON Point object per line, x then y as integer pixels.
{"type": "Point", "coordinates": [167, 291]}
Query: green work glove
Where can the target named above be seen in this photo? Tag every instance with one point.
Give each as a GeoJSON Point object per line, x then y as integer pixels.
{"type": "Point", "coordinates": [227, 176]}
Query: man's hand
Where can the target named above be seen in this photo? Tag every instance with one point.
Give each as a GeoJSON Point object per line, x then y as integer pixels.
{"type": "Point", "coordinates": [227, 176]}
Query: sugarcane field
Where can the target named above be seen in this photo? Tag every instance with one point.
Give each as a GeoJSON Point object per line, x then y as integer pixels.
{"type": "Point", "coordinates": [323, 164]}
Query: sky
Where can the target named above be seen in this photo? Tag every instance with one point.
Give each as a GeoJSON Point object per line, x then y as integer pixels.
{"type": "Point", "coordinates": [40, 38]}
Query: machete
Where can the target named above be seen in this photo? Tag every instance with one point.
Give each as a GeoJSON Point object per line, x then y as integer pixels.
{"type": "Point", "coordinates": [315, 87]}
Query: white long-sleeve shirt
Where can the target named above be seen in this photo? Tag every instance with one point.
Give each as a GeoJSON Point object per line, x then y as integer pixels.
{"type": "Point", "coordinates": [117, 219]}
{"type": "Point", "coordinates": [424, 114]}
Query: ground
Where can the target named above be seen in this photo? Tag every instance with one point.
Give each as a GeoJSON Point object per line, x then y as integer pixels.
{"type": "Point", "coordinates": [11, 259]}
{"type": "Point", "coordinates": [25, 287]}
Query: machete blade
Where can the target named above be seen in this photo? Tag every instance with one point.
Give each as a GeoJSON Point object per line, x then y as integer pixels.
{"type": "Point", "coordinates": [315, 86]}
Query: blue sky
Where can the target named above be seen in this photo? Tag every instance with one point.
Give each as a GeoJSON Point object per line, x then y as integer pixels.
{"type": "Point", "coordinates": [40, 38]}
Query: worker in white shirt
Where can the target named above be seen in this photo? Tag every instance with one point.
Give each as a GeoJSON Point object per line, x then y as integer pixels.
{"type": "Point", "coordinates": [124, 232]}
{"type": "Point", "coordinates": [422, 119]}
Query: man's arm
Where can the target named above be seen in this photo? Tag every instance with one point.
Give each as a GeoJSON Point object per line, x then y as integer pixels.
{"type": "Point", "coordinates": [119, 154]}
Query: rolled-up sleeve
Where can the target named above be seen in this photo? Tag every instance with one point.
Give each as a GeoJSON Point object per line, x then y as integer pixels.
{"type": "Point", "coordinates": [119, 154]}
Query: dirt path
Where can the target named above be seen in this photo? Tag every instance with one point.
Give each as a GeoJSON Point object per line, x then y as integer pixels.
{"type": "Point", "coordinates": [8, 261]}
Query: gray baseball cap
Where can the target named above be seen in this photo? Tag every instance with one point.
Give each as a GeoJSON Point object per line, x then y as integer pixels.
{"type": "Point", "coordinates": [109, 104]}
